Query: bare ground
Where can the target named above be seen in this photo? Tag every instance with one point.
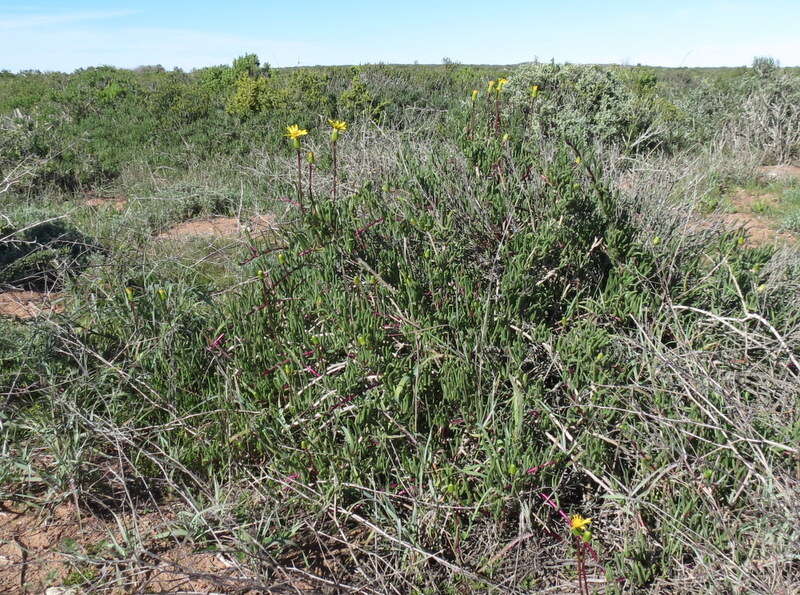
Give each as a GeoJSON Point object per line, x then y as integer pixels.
{"type": "Point", "coordinates": [29, 304]}
{"type": "Point", "coordinates": [785, 171]}
{"type": "Point", "coordinates": [218, 227]}
{"type": "Point", "coordinates": [760, 229]}
{"type": "Point", "coordinates": [118, 203]}
{"type": "Point", "coordinates": [58, 547]}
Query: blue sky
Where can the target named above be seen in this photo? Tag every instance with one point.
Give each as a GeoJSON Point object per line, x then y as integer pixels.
{"type": "Point", "coordinates": [49, 35]}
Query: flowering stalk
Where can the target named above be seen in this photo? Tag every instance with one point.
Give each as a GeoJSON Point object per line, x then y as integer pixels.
{"type": "Point", "coordinates": [581, 536]}
{"type": "Point", "coordinates": [534, 95]}
{"type": "Point", "coordinates": [491, 91]}
{"type": "Point", "coordinates": [474, 99]}
{"type": "Point", "coordinates": [338, 127]}
{"type": "Point", "coordinates": [300, 182]}
{"type": "Point", "coordinates": [498, 89]}
{"type": "Point", "coordinates": [294, 132]}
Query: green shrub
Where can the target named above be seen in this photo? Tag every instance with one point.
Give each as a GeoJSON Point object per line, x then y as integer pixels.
{"type": "Point", "coordinates": [583, 102]}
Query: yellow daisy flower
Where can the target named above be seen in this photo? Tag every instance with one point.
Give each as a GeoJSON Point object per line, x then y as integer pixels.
{"type": "Point", "coordinates": [578, 523]}
{"type": "Point", "coordinates": [294, 132]}
{"type": "Point", "coordinates": [339, 125]}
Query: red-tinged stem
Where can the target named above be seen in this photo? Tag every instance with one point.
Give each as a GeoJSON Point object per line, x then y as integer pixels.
{"type": "Point", "coordinates": [334, 170]}
{"type": "Point", "coordinates": [300, 182]}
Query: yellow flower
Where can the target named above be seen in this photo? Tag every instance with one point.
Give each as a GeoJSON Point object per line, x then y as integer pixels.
{"type": "Point", "coordinates": [474, 94]}
{"type": "Point", "coordinates": [339, 125]}
{"type": "Point", "coordinates": [578, 523]}
{"type": "Point", "coordinates": [501, 83]}
{"type": "Point", "coordinates": [491, 85]}
{"type": "Point", "coordinates": [310, 157]}
{"type": "Point", "coordinates": [535, 91]}
{"type": "Point", "coordinates": [294, 132]}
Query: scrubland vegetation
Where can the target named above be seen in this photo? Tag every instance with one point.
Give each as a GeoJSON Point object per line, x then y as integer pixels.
{"type": "Point", "coordinates": [523, 309]}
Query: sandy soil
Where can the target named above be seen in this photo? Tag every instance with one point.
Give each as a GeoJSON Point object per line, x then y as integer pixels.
{"type": "Point", "coordinates": [760, 229]}
{"type": "Point", "coordinates": [43, 549]}
{"type": "Point", "coordinates": [117, 203]}
{"type": "Point", "coordinates": [29, 304]}
{"type": "Point", "coordinates": [786, 171]}
{"type": "Point", "coordinates": [219, 227]}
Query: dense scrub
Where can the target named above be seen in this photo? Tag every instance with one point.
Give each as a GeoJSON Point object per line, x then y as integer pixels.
{"type": "Point", "coordinates": [482, 334]}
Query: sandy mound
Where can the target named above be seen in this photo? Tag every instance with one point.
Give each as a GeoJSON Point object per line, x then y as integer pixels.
{"type": "Point", "coordinates": [780, 171]}
{"type": "Point", "coordinates": [117, 203]}
{"type": "Point", "coordinates": [218, 227]}
{"type": "Point", "coordinates": [28, 304]}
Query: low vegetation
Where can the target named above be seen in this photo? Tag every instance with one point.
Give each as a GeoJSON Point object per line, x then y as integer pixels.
{"type": "Point", "coordinates": [510, 352]}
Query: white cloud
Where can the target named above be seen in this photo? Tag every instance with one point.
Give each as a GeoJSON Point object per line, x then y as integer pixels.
{"type": "Point", "coordinates": [11, 22]}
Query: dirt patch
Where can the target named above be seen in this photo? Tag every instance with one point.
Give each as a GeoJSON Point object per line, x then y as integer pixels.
{"type": "Point", "coordinates": [41, 549]}
{"type": "Point", "coordinates": [118, 203]}
{"type": "Point", "coordinates": [218, 227]}
{"type": "Point", "coordinates": [29, 304]}
{"type": "Point", "coordinates": [261, 224]}
{"type": "Point", "coordinates": [760, 229]}
{"type": "Point", "coordinates": [781, 172]}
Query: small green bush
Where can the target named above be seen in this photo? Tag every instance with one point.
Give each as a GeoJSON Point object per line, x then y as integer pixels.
{"type": "Point", "coordinates": [583, 102]}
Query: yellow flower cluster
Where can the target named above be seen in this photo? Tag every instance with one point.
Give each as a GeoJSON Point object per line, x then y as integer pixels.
{"type": "Point", "coordinates": [294, 132]}
{"type": "Point", "coordinates": [498, 85]}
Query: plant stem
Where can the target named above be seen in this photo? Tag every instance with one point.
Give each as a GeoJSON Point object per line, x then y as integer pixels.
{"type": "Point", "coordinates": [310, 193]}
{"type": "Point", "coordinates": [471, 120]}
{"type": "Point", "coordinates": [334, 170]}
{"type": "Point", "coordinates": [300, 182]}
{"type": "Point", "coordinates": [583, 584]}
{"type": "Point", "coordinates": [497, 113]}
